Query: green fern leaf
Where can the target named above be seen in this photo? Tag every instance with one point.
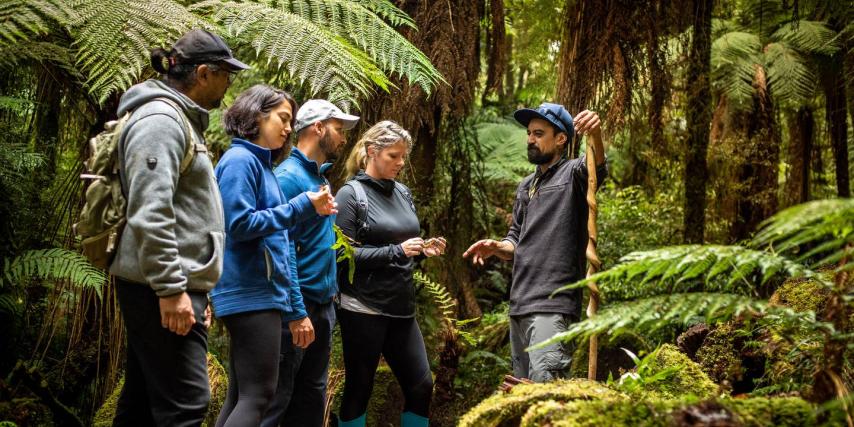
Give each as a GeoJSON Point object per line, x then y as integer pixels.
{"type": "Point", "coordinates": [113, 38]}
{"type": "Point", "coordinates": [828, 225]}
{"type": "Point", "coordinates": [680, 268]}
{"type": "Point", "coordinates": [53, 265]}
{"type": "Point", "coordinates": [22, 20]}
{"type": "Point", "coordinates": [808, 37]}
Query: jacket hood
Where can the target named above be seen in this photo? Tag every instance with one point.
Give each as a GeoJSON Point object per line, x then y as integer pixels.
{"type": "Point", "coordinates": [384, 185]}
{"type": "Point", "coordinates": [144, 92]}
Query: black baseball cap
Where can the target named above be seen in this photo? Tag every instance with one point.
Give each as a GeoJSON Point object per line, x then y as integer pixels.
{"type": "Point", "coordinates": [202, 47]}
{"type": "Point", "coordinates": [555, 114]}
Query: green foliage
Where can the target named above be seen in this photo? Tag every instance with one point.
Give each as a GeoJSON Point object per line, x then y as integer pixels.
{"type": "Point", "coordinates": [644, 375]}
{"type": "Point", "coordinates": [784, 56]}
{"type": "Point", "coordinates": [113, 38]}
{"type": "Point", "coordinates": [447, 307]}
{"type": "Point", "coordinates": [339, 47]}
{"type": "Point", "coordinates": [53, 264]}
{"type": "Point", "coordinates": [826, 225]}
{"type": "Point", "coordinates": [709, 268]}
{"type": "Point", "coordinates": [22, 20]}
{"type": "Point", "coordinates": [505, 152]}
{"type": "Point", "coordinates": [346, 252]}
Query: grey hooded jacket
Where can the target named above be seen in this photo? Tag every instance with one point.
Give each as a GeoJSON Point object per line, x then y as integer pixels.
{"type": "Point", "coordinates": [173, 240]}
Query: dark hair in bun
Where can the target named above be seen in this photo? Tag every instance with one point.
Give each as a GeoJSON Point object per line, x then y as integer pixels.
{"type": "Point", "coordinates": [178, 75]}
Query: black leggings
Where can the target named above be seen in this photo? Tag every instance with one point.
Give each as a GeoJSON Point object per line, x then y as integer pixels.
{"type": "Point", "coordinates": [365, 337]}
{"type": "Point", "coordinates": [253, 368]}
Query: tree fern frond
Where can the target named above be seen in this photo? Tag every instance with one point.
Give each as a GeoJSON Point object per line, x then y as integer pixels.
{"type": "Point", "coordinates": [113, 38]}
{"type": "Point", "coordinates": [707, 268]}
{"type": "Point", "coordinates": [11, 305]}
{"type": "Point", "coordinates": [16, 105]}
{"type": "Point", "coordinates": [310, 53]}
{"type": "Point", "coordinates": [37, 51]}
{"type": "Point", "coordinates": [505, 157]}
{"type": "Point", "coordinates": [360, 24]}
{"type": "Point", "coordinates": [735, 56]}
{"type": "Point", "coordinates": [53, 264]}
{"type": "Point", "coordinates": [789, 75]}
{"type": "Point", "coordinates": [648, 315]}
{"type": "Point", "coordinates": [20, 20]}
{"type": "Point", "coordinates": [809, 37]}
{"type": "Point", "coordinates": [828, 225]}
{"type": "Point", "coordinates": [388, 11]}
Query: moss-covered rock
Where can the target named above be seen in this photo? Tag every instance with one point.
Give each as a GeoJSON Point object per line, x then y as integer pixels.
{"type": "Point", "coordinates": [218, 383]}
{"type": "Point", "coordinates": [802, 294]}
{"type": "Point", "coordinates": [719, 356]}
{"type": "Point", "coordinates": [508, 408]}
{"type": "Point", "coordinates": [688, 380]}
{"type": "Point", "coordinates": [755, 412]}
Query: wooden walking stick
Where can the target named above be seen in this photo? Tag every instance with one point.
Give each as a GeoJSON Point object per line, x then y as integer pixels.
{"type": "Point", "coordinates": [593, 262]}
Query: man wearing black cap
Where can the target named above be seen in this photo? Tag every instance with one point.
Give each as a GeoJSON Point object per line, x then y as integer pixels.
{"type": "Point", "coordinates": [170, 253]}
{"type": "Point", "coordinates": [547, 238]}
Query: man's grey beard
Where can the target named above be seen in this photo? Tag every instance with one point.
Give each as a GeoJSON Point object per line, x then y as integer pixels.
{"type": "Point", "coordinates": [328, 148]}
{"type": "Point", "coordinates": [537, 157]}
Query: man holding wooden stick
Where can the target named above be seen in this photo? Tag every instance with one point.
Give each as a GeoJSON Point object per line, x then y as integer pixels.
{"type": "Point", "coordinates": [547, 238]}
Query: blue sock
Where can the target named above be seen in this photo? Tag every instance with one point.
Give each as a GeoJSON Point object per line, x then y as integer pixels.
{"type": "Point", "coordinates": [357, 422]}
{"type": "Point", "coordinates": [409, 419]}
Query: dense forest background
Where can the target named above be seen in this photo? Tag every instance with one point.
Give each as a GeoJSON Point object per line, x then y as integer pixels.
{"type": "Point", "coordinates": [728, 127]}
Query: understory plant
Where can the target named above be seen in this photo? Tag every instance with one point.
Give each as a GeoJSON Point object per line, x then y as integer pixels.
{"type": "Point", "coordinates": [683, 285]}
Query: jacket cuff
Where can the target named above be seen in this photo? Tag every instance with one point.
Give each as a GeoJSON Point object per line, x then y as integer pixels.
{"type": "Point", "coordinates": [163, 291]}
{"type": "Point", "coordinates": [303, 209]}
{"type": "Point", "coordinates": [290, 316]}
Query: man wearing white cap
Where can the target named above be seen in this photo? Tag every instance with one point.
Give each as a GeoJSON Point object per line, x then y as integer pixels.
{"type": "Point", "coordinates": [307, 336]}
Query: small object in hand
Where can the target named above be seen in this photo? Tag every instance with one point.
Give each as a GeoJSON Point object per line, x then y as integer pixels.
{"type": "Point", "coordinates": [433, 241]}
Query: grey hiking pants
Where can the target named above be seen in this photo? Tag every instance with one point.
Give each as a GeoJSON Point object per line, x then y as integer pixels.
{"type": "Point", "coordinates": [544, 364]}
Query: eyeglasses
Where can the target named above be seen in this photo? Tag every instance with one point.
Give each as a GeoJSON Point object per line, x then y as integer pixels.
{"type": "Point", "coordinates": [231, 74]}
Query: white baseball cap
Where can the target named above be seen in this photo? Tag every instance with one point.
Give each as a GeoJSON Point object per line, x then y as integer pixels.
{"type": "Point", "coordinates": [317, 110]}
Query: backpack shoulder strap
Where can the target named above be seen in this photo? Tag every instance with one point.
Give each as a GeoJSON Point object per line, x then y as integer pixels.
{"type": "Point", "coordinates": [406, 194]}
{"type": "Point", "coordinates": [362, 213]}
{"type": "Point", "coordinates": [193, 146]}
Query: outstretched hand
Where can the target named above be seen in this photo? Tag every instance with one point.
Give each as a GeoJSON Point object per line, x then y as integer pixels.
{"type": "Point", "coordinates": [482, 250]}
{"type": "Point", "coordinates": [323, 201]}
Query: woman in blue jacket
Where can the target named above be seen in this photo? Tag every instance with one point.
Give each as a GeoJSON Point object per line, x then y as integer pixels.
{"type": "Point", "coordinates": [257, 284]}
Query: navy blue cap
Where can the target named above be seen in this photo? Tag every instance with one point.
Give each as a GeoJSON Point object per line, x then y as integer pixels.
{"type": "Point", "coordinates": [552, 113]}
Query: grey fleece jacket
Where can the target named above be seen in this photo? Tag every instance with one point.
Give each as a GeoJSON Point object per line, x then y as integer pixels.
{"type": "Point", "coordinates": [173, 240]}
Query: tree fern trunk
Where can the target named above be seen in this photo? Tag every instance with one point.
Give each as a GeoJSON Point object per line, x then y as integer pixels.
{"type": "Point", "coordinates": [699, 116]}
{"type": "Point", "coordinates": [833, 83]}
{"type": "Point", "coordinates": [801, 134]}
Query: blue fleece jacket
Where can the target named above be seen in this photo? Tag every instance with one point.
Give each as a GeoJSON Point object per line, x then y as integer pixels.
{"type": "Point", "coordinates": [311, 240]}
{"type": "Point", "coordinates": [257, 273]}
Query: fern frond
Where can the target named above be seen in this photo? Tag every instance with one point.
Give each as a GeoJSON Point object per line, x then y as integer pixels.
{"type": "Point", "coordinates": [310, 53]}
{"type": "Point", "coordinates": [113, 38]}
{"type": "Point", "coordinates": [505, 158]}
{"type": "Point", "coordinates": [11, 305]}
{"type": "Point", "coordinates": [358, 22]}
{"type": "Point", "coordinates": [647, 315]}
{"type": "Point", "coordinates": [734, 58]}
{"type": "Point", "coordinates": [342, 243]}
{"type": "Point", "coordinates": [16, 160]}
{"type": "Point", "coordinates": [16, 105]}
{"type": "Point", "coordinates": [827, 225]}
{"type": "Point", "coordinates": [53, 264]}
{"type": "Point", "coordinates": [37, 51]}
{"type": "Point", "coordinates": [387, 10]}
{"type": "Point", "coordinates": [692, 268]}
{"type": "Point", "coordinates": [447, 307]}
{"type": "Point", "coordinates": [808, 37]}
{"type": "Point", "coordinates": [789, 74]}
{"type": "Point", "coordinates": [21, 20]}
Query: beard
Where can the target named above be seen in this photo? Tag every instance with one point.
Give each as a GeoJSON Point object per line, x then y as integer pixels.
{"type": "Point", "coordinates": [537, 157]}
{"type": "Point", "coordinates": [328, 148]}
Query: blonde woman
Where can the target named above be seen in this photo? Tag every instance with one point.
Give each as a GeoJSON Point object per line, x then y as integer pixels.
{"type": "Point", "coordinates": [377, 311]}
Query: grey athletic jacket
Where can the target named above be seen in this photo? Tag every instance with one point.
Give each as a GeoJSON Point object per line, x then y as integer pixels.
{"type": "Point", "coordinates": [173, 240]}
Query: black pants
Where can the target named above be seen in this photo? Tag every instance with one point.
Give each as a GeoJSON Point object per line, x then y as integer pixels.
{"type": "Point", "coordinates": [253, 366]}
{"type": "Point", "coordinates": [365, 337]}
{"type": "Point", "coordinates": [166, 375]}
{"type": "Point", "coordinates": [301, 393]}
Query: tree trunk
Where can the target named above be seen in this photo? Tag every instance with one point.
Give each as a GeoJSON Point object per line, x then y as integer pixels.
{"type": "Point", "coordinates": [758, 147]}
{"type": "Point", "coordinates": [833, 83]}
{"type": "Point", "coordinates": [699, 116]}
{"type": "Point", "coordinates": [801, 134]}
